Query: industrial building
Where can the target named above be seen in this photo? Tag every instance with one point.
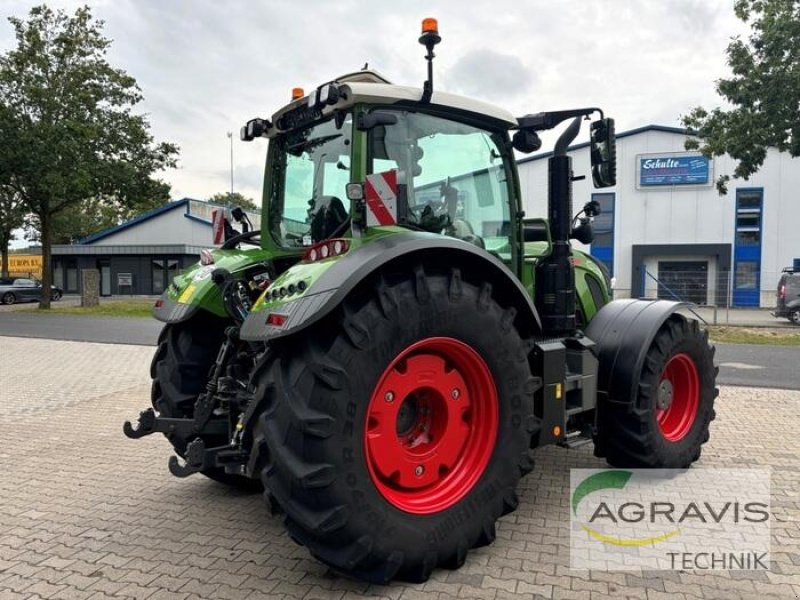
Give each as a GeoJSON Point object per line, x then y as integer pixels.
{"type": "Point", "coordinates": [666, 232]}
{"type": "Point", "coordinates": [140, 256]}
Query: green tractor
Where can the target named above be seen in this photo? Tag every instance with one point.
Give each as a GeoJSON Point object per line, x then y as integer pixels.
{"type": "Point", "coordinates": [382, 356]}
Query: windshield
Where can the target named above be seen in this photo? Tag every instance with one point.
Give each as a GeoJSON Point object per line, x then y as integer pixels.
{"type": "Point", "coordinates": [310, 174]}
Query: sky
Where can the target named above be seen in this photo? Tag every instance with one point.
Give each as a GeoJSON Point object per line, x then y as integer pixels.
{"type": "Point", "coordinates": [205, 67]}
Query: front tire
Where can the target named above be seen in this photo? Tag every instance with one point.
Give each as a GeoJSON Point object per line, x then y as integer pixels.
{"type": "Point", "coordinates": [394, 435]}
{"type": "Point", "coordinates": [9, 298]}
{"type": "Point", "coordinates": [670, 420]}
{"type": "Point", "coordinates": [180, 370]}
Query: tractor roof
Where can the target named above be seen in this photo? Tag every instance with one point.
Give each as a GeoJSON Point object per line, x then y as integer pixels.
{"type": "Point", "coordinates": [370, 87]}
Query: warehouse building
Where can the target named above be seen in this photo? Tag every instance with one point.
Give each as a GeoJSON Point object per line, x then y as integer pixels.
{"type": "Point", "coordinates": [666, 232]}
{"type": "Point", "coordinates": [140, 256]}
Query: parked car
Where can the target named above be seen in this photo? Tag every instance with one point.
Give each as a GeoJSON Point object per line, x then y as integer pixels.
{"type": "Point", "coordinates": [25, 290]}
{"type": "Point", "coordinates": [788, 305]}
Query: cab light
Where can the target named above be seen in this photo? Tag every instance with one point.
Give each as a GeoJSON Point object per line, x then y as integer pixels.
{"type": "Point", "coordinates": [430, 25]}
{"type": "Point", "coordinates": [159, 303]}
{"type": "Point", "coordinates": [276, 319]}
{"type": "Point", "coordinates": [326, 249]}
{"type": "Point", "coordinates": [297, 92]}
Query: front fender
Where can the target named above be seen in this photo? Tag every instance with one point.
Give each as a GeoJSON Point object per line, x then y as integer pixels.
{"type": "Point", "coordinates": [329, 289]}
{"type": "Point", "coordinates": [623, 331]}
{"type": "Point", "coordinates": [192, 290]}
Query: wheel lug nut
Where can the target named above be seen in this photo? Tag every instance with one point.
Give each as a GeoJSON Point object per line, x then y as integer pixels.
{"type": "Point", "coordinates": [455, 393]}
{"type": "Point", "coordinates": [419, 470]}
{"type": "Point", "coordinates": [389, 396]}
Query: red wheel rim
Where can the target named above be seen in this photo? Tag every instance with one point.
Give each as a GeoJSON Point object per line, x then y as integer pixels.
{"type": "Point", "coordinates": [678, 397]}
{"type": "Point", "coordinates": [431, 425]}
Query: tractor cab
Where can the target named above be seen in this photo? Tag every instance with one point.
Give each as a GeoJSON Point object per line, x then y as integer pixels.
{"type": "Point", "coordinates": [378, 157]}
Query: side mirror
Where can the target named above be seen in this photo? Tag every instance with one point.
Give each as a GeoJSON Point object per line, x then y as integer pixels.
{"type": "Point", "coordinates": [604, 153]}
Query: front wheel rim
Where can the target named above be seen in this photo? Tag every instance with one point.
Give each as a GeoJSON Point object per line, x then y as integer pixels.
{"type": "Point", "coordinates": [678, 397]}
{"type": "Point", "coordinates": [431, 425]}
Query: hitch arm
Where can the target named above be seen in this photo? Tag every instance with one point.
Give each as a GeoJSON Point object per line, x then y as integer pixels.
{"type": "Point", "coordinates": [149, 423]}
{"type": "Point", "coordinates": [199, 458]}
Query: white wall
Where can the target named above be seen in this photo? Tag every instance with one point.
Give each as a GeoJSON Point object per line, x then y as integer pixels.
{"type": "Point", "coordinates": [171, 227]}
{"type": "Point", "coordinates": [683, 214]}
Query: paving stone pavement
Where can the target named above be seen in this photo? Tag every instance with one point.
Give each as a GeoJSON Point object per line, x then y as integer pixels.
{"type": "Point", "coordinates": [87, 513]}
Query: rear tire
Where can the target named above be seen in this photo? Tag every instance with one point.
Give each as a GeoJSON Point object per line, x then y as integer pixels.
{"type": "Point", "coordinates": [794, 316]}
{"type": "Point", "coordinates": [323, 397]}
{"type": "Point", "coordinates": [180, 369]}
{"type": "Point", "coordinates": [669, 422]}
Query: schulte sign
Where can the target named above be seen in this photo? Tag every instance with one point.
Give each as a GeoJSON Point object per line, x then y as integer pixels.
{"type": "Point", "coordinates": [673, 170]}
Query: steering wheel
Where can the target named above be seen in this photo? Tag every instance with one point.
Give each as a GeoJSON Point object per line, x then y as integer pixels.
{"type": "Point", "coordinates": [246, 238]}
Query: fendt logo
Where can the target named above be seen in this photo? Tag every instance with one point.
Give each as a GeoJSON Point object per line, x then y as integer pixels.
{"type": "Point", "coordinates": [638, 518]}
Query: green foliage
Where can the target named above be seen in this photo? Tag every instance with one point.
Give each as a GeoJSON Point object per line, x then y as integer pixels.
{"type": "Point", "coordinates": [12, 216]}
{"type": "Point", "coordinates": [235, 199]}
{"type": "Point", "coordinates": [763, 91]}
{"type": "Point", "coordinates": [68, 134]}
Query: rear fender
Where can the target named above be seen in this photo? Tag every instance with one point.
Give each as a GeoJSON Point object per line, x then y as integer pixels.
{"type": "Point", "coordinates": [623, 331]}
{"type": "Point", "coordinates": [401, 250]}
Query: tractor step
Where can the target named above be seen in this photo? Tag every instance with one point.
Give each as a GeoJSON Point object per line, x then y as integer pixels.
{"type": "Point", "coordinates": [150, 423]}
{"type": "Point", "coordinates": [576, 439]}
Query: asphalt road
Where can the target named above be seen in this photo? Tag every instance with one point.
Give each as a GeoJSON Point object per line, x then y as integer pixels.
{"type": "Point", "coordinates": [110, 330]}
{"type": "Point", "coordinates": [739, 364]}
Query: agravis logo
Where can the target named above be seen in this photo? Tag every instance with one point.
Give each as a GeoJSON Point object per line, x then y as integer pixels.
{"type": "Point", "coordinates": [641, 518]}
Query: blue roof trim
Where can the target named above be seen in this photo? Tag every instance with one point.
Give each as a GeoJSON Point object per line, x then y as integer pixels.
{"type": "Point", "coordinates": [135, 221]}
{"type": "Point", "coordinates": [646, 128]}
{"type": "Point", "coordinates": [198, 219]}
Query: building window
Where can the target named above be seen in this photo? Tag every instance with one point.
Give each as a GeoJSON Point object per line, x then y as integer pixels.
{"type": "Point", "coordinates": [746, 275]}
{"type": "Point", "coordinates": [71, 280]}
{"type": "Point", "coordinates": [163, 271]}
{"type": "Point", "coordinates": [58, 274]}
{"type": "Point", "coordinates": [603, 245]}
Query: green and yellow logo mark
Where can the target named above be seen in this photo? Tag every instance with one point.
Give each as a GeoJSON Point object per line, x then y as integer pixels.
{"type": "Point", "coordinates": [603, 481]}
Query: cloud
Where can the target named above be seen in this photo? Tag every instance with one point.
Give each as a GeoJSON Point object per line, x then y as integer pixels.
{"type": "Point", "coordinates": [484, 73]}
{"type": "Point", "coordinates": [206, 67]}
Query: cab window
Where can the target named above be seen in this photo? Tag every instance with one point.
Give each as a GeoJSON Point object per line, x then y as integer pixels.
{"type": "Point", "coordinates": [455, 179]}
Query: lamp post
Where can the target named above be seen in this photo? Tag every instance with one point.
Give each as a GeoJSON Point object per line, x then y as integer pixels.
{"type": "Point", "coordinates": [230, 137]}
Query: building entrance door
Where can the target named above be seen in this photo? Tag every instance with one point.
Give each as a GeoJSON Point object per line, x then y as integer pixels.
{"type": "Point", "coordinates": [685, 280]}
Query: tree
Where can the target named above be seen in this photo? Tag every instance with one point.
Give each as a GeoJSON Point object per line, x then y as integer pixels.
{"type": "Point", "coordinates": [67, 131]}
{"type": "Point", "coordinates": [12, 216]}
{"type": "Point", "coordinates": [763, 91]}
{"type": "Point", "coordinates": [235, 199]}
